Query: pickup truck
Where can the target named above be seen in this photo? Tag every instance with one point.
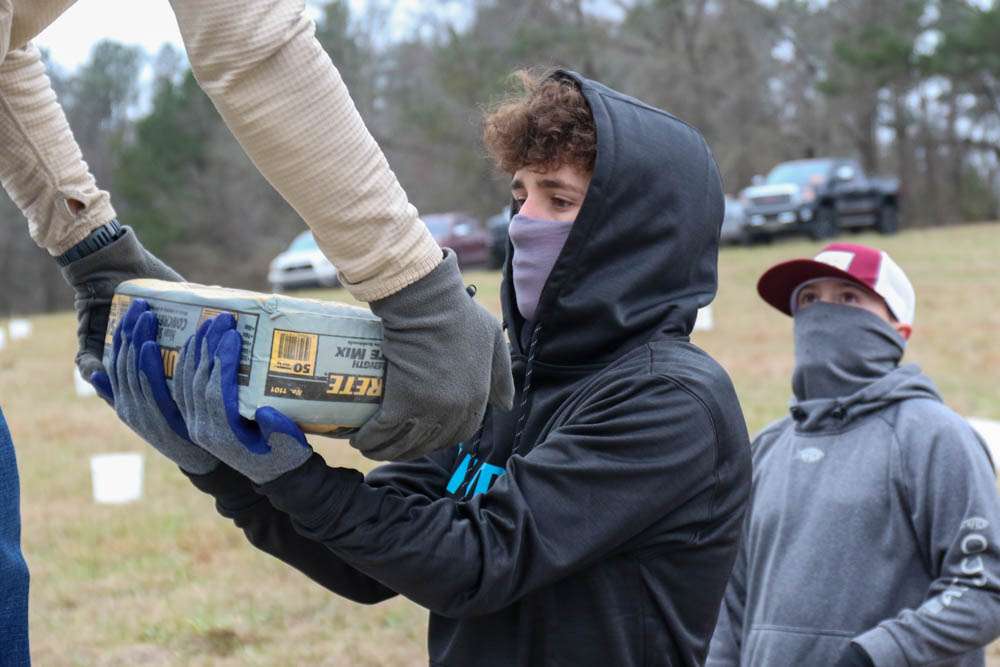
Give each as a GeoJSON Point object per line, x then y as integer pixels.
{"type": "Point", "coordinates": [819, 197]}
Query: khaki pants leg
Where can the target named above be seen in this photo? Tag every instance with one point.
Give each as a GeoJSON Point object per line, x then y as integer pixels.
{"type": "Point", "coordinates": [30, 17]}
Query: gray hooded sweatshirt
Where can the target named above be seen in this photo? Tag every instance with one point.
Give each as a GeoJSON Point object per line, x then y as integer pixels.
{"type": "Point", "coordinates": [875, 519]}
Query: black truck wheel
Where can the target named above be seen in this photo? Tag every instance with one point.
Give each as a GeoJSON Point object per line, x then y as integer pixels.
{"type": "Point", "coordinates": [888, 219]}
{"type": "Point", "coordinates": [824, 225]}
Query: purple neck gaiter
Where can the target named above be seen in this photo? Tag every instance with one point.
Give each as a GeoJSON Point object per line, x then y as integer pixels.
{"type": "Point", "coordinates": [537, 244]}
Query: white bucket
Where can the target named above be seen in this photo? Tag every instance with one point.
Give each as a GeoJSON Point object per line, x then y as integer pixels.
{"type": "Point", "coordinates": [705, 321]}
{"type": "Point", "coordinates": [19, 329]}
{"type": "Point", "coordinates": [117, 478]}
{"type": "Point", "coordinates": [990, 432]}
{"type": "Point", "coordinates": [83, 388]}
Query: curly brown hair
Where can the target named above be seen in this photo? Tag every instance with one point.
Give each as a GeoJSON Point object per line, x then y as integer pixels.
{"type": "Point", "coordinates": [545, 122]}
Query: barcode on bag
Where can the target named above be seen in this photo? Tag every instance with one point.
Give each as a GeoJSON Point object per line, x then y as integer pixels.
{"type": "Point", "coordinates": [295, 346]}
{"type": "Point", "coordinates": [293, 352]}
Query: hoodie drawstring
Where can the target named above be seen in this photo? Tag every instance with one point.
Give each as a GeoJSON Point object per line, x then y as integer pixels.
{"type": "Point", "coordinates": [526, 389]}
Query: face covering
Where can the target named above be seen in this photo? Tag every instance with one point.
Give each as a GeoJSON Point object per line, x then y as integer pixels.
{"type": "Point", "coordinates": [841, 349]}
{"type": "Point", "coordinates": [537, 244]}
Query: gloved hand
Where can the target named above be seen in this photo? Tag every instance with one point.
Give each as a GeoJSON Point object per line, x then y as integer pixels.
{"type": "Point", "coordinates": [141, 397]}
{"type": "Point", "coordinates": [94, 278]}
{"type": "Point", "coordinates": [207, 395]}
{"type": "Point", "coordinates": [446, 358]}
{"type": "Point", "coordinates": [854, 656]}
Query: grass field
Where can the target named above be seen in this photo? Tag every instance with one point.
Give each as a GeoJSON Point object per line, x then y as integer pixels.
{"type": "Point", "coordinates": [165, 581]}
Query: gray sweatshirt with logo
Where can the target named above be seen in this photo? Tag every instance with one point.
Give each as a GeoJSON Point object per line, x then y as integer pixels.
{"type": "Point", "coordinates": [875, 520]}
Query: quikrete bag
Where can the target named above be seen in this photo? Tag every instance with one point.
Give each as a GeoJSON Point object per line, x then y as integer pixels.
{"type": "Point", "coordinates": [318, 362]}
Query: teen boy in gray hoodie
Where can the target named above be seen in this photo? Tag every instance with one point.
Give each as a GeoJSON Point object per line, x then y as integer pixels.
{"type": "Point", "coordinates": [875, 522]}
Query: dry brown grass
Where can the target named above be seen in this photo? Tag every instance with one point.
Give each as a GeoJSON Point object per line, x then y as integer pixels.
{"type": "Point", "coordinates": [167, 582]}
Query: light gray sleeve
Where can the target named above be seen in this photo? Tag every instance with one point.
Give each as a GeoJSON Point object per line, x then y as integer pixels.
{"type": "Point", "coordinates": [955, 512]}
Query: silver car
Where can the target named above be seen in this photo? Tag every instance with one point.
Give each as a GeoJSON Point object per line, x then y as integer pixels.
{"type": "Point", "coordinates": [734, 224]}
{"type": "Point", "coordinates": [303, 264]}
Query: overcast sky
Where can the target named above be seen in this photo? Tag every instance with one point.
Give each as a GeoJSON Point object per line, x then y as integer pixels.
{"type": "Point", "coordinates": [146, 23]}
{"type": "Point", "coordinates": [150, 24]}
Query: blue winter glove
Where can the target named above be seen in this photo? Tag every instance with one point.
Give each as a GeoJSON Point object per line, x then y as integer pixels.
{"type": "Point", "coordinates": [207, 395]}
{"type": "Point", "coordinates": [137, 387]}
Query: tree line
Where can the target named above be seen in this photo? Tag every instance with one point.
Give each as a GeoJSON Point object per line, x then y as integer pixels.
{"type": "Point", "coordinates": [909, 87]}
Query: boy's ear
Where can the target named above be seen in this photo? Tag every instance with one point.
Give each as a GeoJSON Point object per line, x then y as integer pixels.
{"type": "Point", "coordinates": [904, 330]}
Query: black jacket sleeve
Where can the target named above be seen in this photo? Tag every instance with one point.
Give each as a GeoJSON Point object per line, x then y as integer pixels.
{"type": "Point", "coordinates": [638, 449]}
{"type": "Point", "coordinates": [427, 476]}
{"type": "Point", "coordinates": [727, 639]}
{"type": "Point", "coordinates": [272, 532]}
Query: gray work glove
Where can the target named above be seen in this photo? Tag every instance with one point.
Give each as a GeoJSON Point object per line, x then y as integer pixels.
{"type": "Point", "coordinates": [94, 278]}
{"type": "Point", "coordinates": [207, 394]}
{"type": "Point", "coordinates": [141, 397]}
{"type": "Point", "coordinates": [446, 358]}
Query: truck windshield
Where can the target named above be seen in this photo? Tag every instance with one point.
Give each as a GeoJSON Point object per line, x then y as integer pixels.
{"type": "Point", "coordinates": [801, 172]}
{"type": "Point", "coordinates": [303, 241]}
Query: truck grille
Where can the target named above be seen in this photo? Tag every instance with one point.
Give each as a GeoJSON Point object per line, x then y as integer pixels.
{"type": "Point", "coordinates": [297, 267]}
{"type": "Point", "coordinates": [772, 200]}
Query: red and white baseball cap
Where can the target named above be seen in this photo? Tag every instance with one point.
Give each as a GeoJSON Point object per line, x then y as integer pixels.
{"type": "Point", "coordinates": [869, 267]}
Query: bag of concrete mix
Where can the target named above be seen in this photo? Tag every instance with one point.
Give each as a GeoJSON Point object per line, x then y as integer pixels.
{"type": "Point", "coordinates": [318, 362]}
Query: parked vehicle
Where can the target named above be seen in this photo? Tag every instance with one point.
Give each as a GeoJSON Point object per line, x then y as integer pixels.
{"type": "Point", "coordinates": [734, 223]}
{"type": "Point", "coordinates": [303, 264]}
{"type": "Point", "coordinates": [462, 233]}
{"type": "Point", "coordinates": [820, 197]}
{"type": "Point", "coordinates": [497, 227]}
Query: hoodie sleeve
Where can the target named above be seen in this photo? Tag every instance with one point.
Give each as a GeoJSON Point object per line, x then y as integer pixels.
{"type": "Point", "coordinates": [616, 467]}
{"type": "Point", "coordinates": [727, 640]}
{"type": "Point", "coordinates": [272, 531]}
{"type": "Point", "coordinates": [955, 512]}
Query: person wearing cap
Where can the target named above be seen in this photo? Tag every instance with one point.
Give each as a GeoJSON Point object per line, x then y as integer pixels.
{"type": "Point", "coordinates": [874, 527]}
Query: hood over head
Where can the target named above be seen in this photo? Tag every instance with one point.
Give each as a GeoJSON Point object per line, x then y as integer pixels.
{"type": "Point", "coordinates": [641, 257]}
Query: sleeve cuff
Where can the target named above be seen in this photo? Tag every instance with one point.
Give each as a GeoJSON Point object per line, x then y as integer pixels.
{"type": "Point", "coordinates": [232, 491]}
{"type": "Point", "coordinates": [421, 260]}
{"type": "Point", "coordinates": [314, 493]}
{"type": "Point", "coordinates": [881, 648]}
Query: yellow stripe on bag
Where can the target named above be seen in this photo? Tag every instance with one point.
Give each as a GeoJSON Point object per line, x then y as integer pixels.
{"type": "Point", "coordinates": [119, 306]}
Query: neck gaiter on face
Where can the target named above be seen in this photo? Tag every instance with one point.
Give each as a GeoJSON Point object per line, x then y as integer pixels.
{"type": "Point", "coordinates": [840, 349]}
{"type": "Point", "coordinates": [537, 244]}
